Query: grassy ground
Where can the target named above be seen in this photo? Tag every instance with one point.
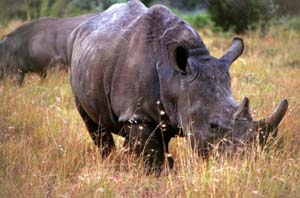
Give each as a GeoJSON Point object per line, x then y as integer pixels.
{"type": "Point", "coordinates": [45, 150]}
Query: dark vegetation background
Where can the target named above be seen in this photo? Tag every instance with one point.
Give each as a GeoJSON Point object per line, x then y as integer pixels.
{"type": "Point", "coordinates": [220, 15]}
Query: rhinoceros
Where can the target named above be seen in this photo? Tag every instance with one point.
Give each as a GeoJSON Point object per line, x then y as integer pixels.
{"type": "Point", "coordinates": [146, 75]}
{"type": "Point", "coordinates": [36, 46]}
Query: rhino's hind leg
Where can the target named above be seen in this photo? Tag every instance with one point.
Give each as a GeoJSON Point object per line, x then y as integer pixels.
{"type": "Point", "coordinates": [102, 138]}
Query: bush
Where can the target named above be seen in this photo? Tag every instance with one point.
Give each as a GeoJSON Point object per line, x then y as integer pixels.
{"type": "Point", "coordinates": [288, 23]}
{"type": "Point", "coordinates": [241, 15]}
{"type": "Point", "coordinates": [32, 9]}
{"type": "Point", "coordinates": [11, 10]}
{"type": "Point", "coordinates": [186, 5]}
{"type": "Point", "coordinates": [79, 7]}
{"type": "Point", "coordinates": [147, 2]}
{"type": "Point", "coordinates": [288, 7]}
{"type": "Point", "coordinates": [199, 19]}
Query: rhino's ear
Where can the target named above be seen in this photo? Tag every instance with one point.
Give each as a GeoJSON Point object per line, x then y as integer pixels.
{"type": "Point", "coordinates": [236, 49]}
{"type": "Point", "coordinates": [180, 59]}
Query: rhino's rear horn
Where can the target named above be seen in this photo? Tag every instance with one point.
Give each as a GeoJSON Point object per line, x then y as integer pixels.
{"type": "Point", "coordinates": [236, 49]}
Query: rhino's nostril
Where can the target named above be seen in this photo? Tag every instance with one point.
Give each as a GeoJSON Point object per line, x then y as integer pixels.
{"type": "Point", "coordinates": [214, 125]}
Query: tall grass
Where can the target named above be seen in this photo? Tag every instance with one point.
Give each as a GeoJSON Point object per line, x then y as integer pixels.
{"type": "Point", "coordinates": [45, 150]}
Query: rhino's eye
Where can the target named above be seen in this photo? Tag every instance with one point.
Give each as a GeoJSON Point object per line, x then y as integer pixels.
{"type": "Point", "coordinates": [181, 56]}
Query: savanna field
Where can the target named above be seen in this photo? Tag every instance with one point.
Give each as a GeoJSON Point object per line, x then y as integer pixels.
{"type": "Point", "coordinates": [45, 150]}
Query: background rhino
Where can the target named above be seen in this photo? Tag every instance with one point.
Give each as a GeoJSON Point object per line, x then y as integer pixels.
{"type": "Point", "coordinates": [145, 74]}
{"type": "Point", "coordinates": [37, 45]}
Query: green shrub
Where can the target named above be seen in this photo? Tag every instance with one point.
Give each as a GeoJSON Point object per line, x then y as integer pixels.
{"type": "Point", "coordinates": [288, 7]}
{"type": "Point", "coordinates": [147, 2]}
{"type": "Point", "coordinates": [78, 7]}
{"type": "Point", "coordinates": [241, 15]}
{"type": "Point", "coordinates": [11, 10]}
{"type": "Point", "coordinates": [184, 4]}
{"type": "Point", "coordinates": [289, 23]}
{"type": "Point", "coordinates": [198, 19]}
{"type": "Point", "coordinates": [58, 8]}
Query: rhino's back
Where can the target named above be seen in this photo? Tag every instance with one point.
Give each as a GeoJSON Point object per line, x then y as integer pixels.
{"type": "Point", "coordinates": [36, 43]}
{"type": "Point", "coordinates": [49, 39]}
{"type": "Point", "coordinates": [28, 44]}
{"type": "Point", "coordinates": [97, 50]}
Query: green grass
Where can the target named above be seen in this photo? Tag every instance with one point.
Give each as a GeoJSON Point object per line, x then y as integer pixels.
{"type": "Point", "coordinates": [45, 150]}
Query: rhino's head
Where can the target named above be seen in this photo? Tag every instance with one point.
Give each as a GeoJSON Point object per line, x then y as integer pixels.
{"type": "Point", "coordinates": [195, 86]}
{"type": "Point", "coordinates": [206, 104]}
{"type": "Point", "coordinates": [246, 130]}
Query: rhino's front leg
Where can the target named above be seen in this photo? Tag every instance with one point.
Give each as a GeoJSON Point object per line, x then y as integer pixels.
{"type": "Point", "coordinates": [146, 140]}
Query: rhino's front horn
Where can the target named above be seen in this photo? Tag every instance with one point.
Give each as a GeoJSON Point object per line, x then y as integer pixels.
{"type": "Point", "coordinates": [236, 49]}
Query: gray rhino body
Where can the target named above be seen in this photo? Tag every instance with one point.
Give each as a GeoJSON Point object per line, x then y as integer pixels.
{"type": "Point", "coordinates": [37, 45]}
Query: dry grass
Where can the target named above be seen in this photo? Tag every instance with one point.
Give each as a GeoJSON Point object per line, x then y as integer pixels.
{"type": "Point", "coordinates": [45, 150]}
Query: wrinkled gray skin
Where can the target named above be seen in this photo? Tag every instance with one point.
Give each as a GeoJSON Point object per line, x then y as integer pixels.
{"type": "Point", "coordinates": [36, 46]}
{"type": "Point", "coordinates": [146, 75]}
